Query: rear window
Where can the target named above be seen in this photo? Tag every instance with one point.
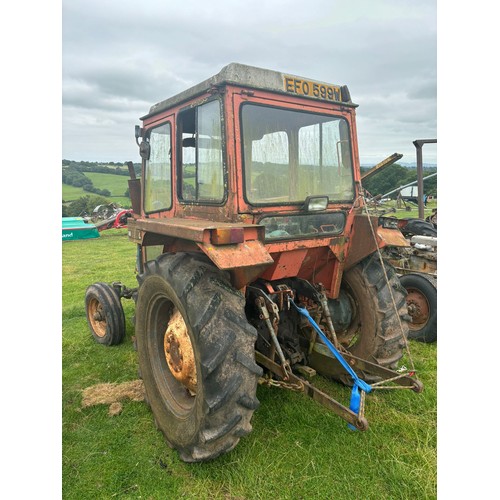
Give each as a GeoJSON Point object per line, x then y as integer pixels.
{"type": "Point", "coordinates": [294, 226]}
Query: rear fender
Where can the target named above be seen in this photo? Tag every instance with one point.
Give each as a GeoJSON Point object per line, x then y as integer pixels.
{"type": "Point", "coordinates": [363, 243]}
{"type": "Point", "coordinates": [246, 261]}
{"type": "Point", "coordinates": [234, 247]}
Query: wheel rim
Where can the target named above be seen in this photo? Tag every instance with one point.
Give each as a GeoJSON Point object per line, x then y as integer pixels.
{"type": "Point", "coordinates": [97, 317]}
{"type": "Point", "coordinates": [176, 378]}
{"type": "Point", "coordinates": [418, 308]}
{"type": "Point", "coordinates": [179, 352]}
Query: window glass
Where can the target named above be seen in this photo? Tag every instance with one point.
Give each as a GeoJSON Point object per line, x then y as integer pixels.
{"type": "Point", "coordinates": [157, 178]}
{"type": "Point", "coordinates": [269, 158]}
{"type": "Point", "coordinates": [287, 227]}
{"type": "Point", "coordinates": [202, 171]}
{"type": "Point", "coordinates": [289, 155]}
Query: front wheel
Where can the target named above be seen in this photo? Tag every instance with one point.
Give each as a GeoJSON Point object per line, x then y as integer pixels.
{"type": "Point", "coordinates": [105, 315]}
{"type": "Point", "coordinates": [196, 355]}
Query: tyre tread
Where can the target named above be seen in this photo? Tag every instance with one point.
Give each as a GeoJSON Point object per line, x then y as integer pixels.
{"type": "Point", "coordinates": [226, 346]}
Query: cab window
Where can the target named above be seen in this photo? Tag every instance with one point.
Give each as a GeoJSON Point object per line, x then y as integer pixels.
{"type": "Point", "coordinates": [201, 159]}
{"type": "Point", "coordinates": [291, 154]}
{"type": "Point", "coordinates": [157, 174]}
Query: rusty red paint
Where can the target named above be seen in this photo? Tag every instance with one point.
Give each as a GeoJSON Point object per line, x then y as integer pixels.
{"type": "Point", "coordinates": [367, 236]}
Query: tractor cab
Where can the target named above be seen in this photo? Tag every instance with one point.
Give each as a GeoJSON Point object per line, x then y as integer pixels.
{"type": "Point", "coordinates": [251, 141]}
{"type": "Point", "coordinates": [269, 158]}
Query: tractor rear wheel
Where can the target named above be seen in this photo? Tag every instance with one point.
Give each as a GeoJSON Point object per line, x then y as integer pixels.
{"type": "Point", "coordinates": [376, 332]}
{"type": "Point", "coordinates": [422, 306]}
{"type": "Point", "coordinates": [196, 355]}
{"type": "Point", "coordinates": [105, 315]}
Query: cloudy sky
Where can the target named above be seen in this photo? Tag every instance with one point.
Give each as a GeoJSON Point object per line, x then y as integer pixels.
{"type": "Point", "coordinates": [119, 57]}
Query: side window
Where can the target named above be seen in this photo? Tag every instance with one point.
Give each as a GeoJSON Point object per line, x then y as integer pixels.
{"type": "Point", "coordinates": [157, 178]}
{"type": "Point", "coordinates": [201, 169]}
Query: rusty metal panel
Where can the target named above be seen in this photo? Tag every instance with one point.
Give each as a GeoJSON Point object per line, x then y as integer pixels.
{"type": "Point", "coordinates": [363, 243]}
{"type": "Point", "coordinates": [195, 230]}
{"type": "Point", "coordinates": [134, 233]}
{"type": "Point", "coordinates": [246, 254]}
{"type": "Point", "coordinates": [286, 264]}
{"type": "Point", "coordinates": [287, 246]}
{"type": "Point", "coordinates": [259, 78]}
{"type": "Point", "coordinates": [134, 187]}
{"type": "Point", "coordinates": [246, 261]}
{"type": "Point", "coordinates": [381, 165]}
{"type": "Point", "coordinates": [391, 237]}
{"type": "Point", "coordinates": [316, 265]}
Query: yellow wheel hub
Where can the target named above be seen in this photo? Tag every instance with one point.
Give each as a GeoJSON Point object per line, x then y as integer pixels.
{"type": "Point", "coordinates": [179, 352]}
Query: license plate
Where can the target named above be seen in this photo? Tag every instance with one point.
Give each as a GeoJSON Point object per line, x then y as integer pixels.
{"type": "Point", "coordinates": [311, 89]}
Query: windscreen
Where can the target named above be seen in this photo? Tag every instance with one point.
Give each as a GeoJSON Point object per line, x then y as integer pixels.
{"type": "Point", "coordinates": [290, 155]}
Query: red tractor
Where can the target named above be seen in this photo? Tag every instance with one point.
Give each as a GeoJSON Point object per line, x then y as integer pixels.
{"type": "Point", "coordinates": [256, 258]}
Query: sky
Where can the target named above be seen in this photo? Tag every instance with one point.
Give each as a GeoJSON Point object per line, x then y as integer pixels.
{"type": "Point", "coordinates": [120, 57]}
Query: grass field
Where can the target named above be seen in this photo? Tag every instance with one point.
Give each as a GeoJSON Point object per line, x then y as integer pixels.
{"type": "Point", "coordinates": [403, 213]}
{"type": "Point", "coordinates": [116, 184]}
{"type": "Point", "coordinates": [297, 450]}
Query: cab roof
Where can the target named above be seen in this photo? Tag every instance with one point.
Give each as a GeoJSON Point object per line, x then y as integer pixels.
{"type": "Point", "coordinates": [259, 78]}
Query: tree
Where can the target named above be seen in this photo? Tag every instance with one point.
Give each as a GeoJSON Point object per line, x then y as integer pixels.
{"type": "Point", "coordinates": [84, 205]}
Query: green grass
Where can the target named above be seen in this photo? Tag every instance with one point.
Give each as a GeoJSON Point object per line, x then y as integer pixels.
{"type": "Point", "coordinates": [116, 184]}
{"type": "Point", "coordinates": [403, 213]}
{"type": "Point", "coordinates": [297, 448]}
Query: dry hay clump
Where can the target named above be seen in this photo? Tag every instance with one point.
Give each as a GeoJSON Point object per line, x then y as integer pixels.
{"type": "Point", "coordinates": [113, 395]}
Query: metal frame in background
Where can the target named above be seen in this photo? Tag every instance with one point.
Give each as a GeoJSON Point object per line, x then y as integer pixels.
{"type": "Point", "coordinates": [420, 172]}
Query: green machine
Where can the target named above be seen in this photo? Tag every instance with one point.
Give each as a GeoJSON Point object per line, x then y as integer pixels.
{"type": "Point", "coordinates": [76, 228]}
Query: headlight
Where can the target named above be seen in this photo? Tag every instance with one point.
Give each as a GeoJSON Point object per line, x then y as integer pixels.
{"type": "Point", "coordinates": [316, 203]}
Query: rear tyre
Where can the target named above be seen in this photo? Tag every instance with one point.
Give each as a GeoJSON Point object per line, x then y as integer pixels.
{"type": "Point", "coordinates": [196, 355]}
{"type": "Point", "coordinates": [422, 306]}
{"type": "Point", "coordinates": [105, 315]}
{"type": "Point", "coordinates": [376, 332]}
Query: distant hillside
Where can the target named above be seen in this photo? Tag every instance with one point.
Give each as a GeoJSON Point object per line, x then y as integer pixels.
{"type": "Point", "coordinates": [87, 183]}
{"type": "Point", "coordinates": [111, 167]}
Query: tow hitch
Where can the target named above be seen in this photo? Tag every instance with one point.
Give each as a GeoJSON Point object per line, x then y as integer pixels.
{"type": "Point", "coordinates": [334, 359]}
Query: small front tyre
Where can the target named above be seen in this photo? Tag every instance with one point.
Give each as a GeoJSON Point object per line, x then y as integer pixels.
{"type": "Point", "coordinates": [105, 315]}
